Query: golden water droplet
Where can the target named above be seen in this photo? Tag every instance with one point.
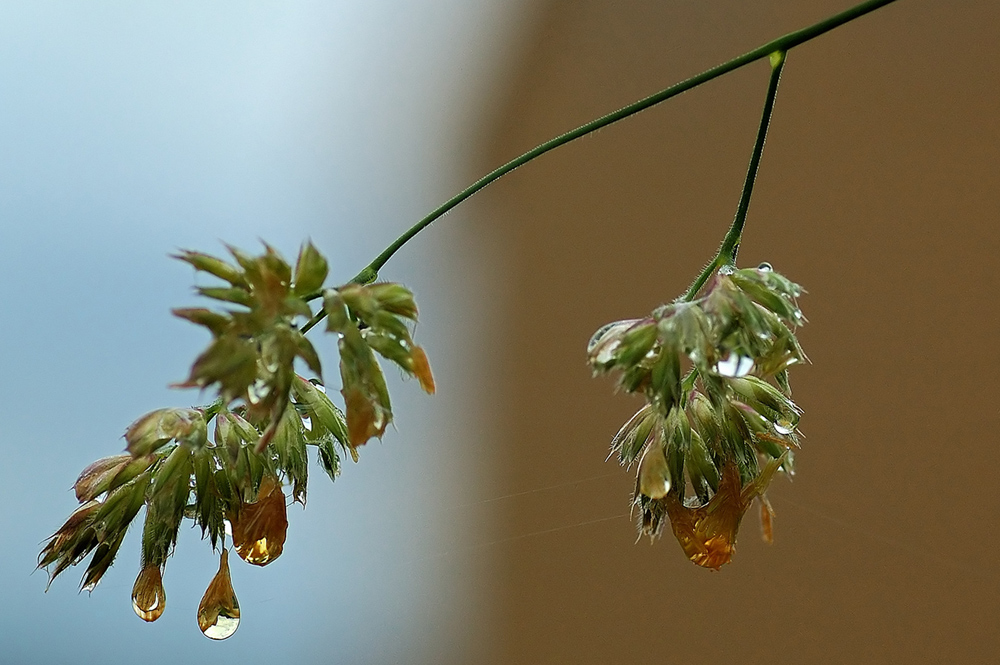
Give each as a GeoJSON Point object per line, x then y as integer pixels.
{"type": "Point", "coordinates": [707, 534]}
{"type": "Point", "coordinates": [148, 597]}
{"type": "Point", "coordinates": [259, 528]}
{"type": "Point", "coordinates": [653, 479]}
{"type": "Point", "coordinates": [219, 611]}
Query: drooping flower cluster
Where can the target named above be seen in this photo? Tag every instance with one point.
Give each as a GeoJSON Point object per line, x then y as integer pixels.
{"type": "Point", "coordinates": [369, 320]}
{"type": "Point", "coordinates": [228, 466]}
{"type": "Point", "coordinates": [718, 420]}
{"type": "Point", "coordinates": [253, 349]}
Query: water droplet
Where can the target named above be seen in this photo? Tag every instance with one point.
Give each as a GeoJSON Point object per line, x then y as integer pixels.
{"type": "Point", "coordinates": [259, 530]}
{"type": "Point", "coordinates": [219, 611]}
{"type": "Point", "coordinates": [727, 270]}
{"type": "Point", "coordinates": [784, 426]}
{"type": "Point", "coordinates": [607, 352]}
{"type": "Point", "coordinates": [148, 597]}
{"type": "Point", "coordinates": [734, 365]}
{"type": "Point", "coordinates": [596, 337]}
{"type": "Point", "coordinates": [653, 479]}
{"type": "Point", "coordinates": [765, 267]}
{"type": "Point", "coordinates": [607, 328]}
{"type": "Point", "coordinates": [89, 587]}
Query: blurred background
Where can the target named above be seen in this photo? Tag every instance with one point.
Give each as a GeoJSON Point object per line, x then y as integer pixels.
{"type": "Point", "coordinates": [489, 528]}
{"type": "Point", "coordinates": [130, 130]}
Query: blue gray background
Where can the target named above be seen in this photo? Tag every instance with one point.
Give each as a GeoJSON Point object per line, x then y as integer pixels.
{"type": "Point", "coordinates": [129, 130]}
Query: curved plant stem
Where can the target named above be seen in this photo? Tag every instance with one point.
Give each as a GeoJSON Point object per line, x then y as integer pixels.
{"type": "Point", "coordinates": [774, 49]}
{"type": "Point", "coordinates": [731, 243]}
{"type": "Point", "coordinates": [789, 41]}
{"type": "Point", "coordinates": [317, 317]}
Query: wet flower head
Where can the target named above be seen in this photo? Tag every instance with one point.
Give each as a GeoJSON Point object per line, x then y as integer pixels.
{"type": "Point", "coordinates": [718, 420]}
{"type": "Point", "coordinates": [231, 465]}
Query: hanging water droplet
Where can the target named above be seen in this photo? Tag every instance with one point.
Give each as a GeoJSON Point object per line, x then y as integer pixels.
{"type": "Point", "coordinates": [603, 331]}
{"type": "Point", "coordinates": [260, 528]}
{"type": "Point", "coordinates": [653, 478]}
{"type": "Point", "coordinates": [765, 267]}
{"type": "Point", "coordinates": [219, 611]}
{"type": "Point", "coordinates": [734, 365]}
{"type": "Point", "coordinates": [784, 426]}
{"type": "Point", "coordinates": [596, 337]}
{"type": "Point", "coordinates": [148, 597]}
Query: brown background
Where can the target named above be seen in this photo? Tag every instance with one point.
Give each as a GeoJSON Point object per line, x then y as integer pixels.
{"type": "Point", "coordinates": [878, 193]}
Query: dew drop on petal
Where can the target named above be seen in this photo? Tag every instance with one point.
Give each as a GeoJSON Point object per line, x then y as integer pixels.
{"type": "Point", "coordinates": [765, 267]}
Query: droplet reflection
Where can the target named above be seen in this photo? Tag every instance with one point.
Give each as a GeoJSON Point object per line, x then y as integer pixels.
{"type": "Point", "coordinates": [607, 340]}
{"type": "Point", "coordinates": [784, 426]}
{"type": "Point", "coordinates": [734, 365]}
